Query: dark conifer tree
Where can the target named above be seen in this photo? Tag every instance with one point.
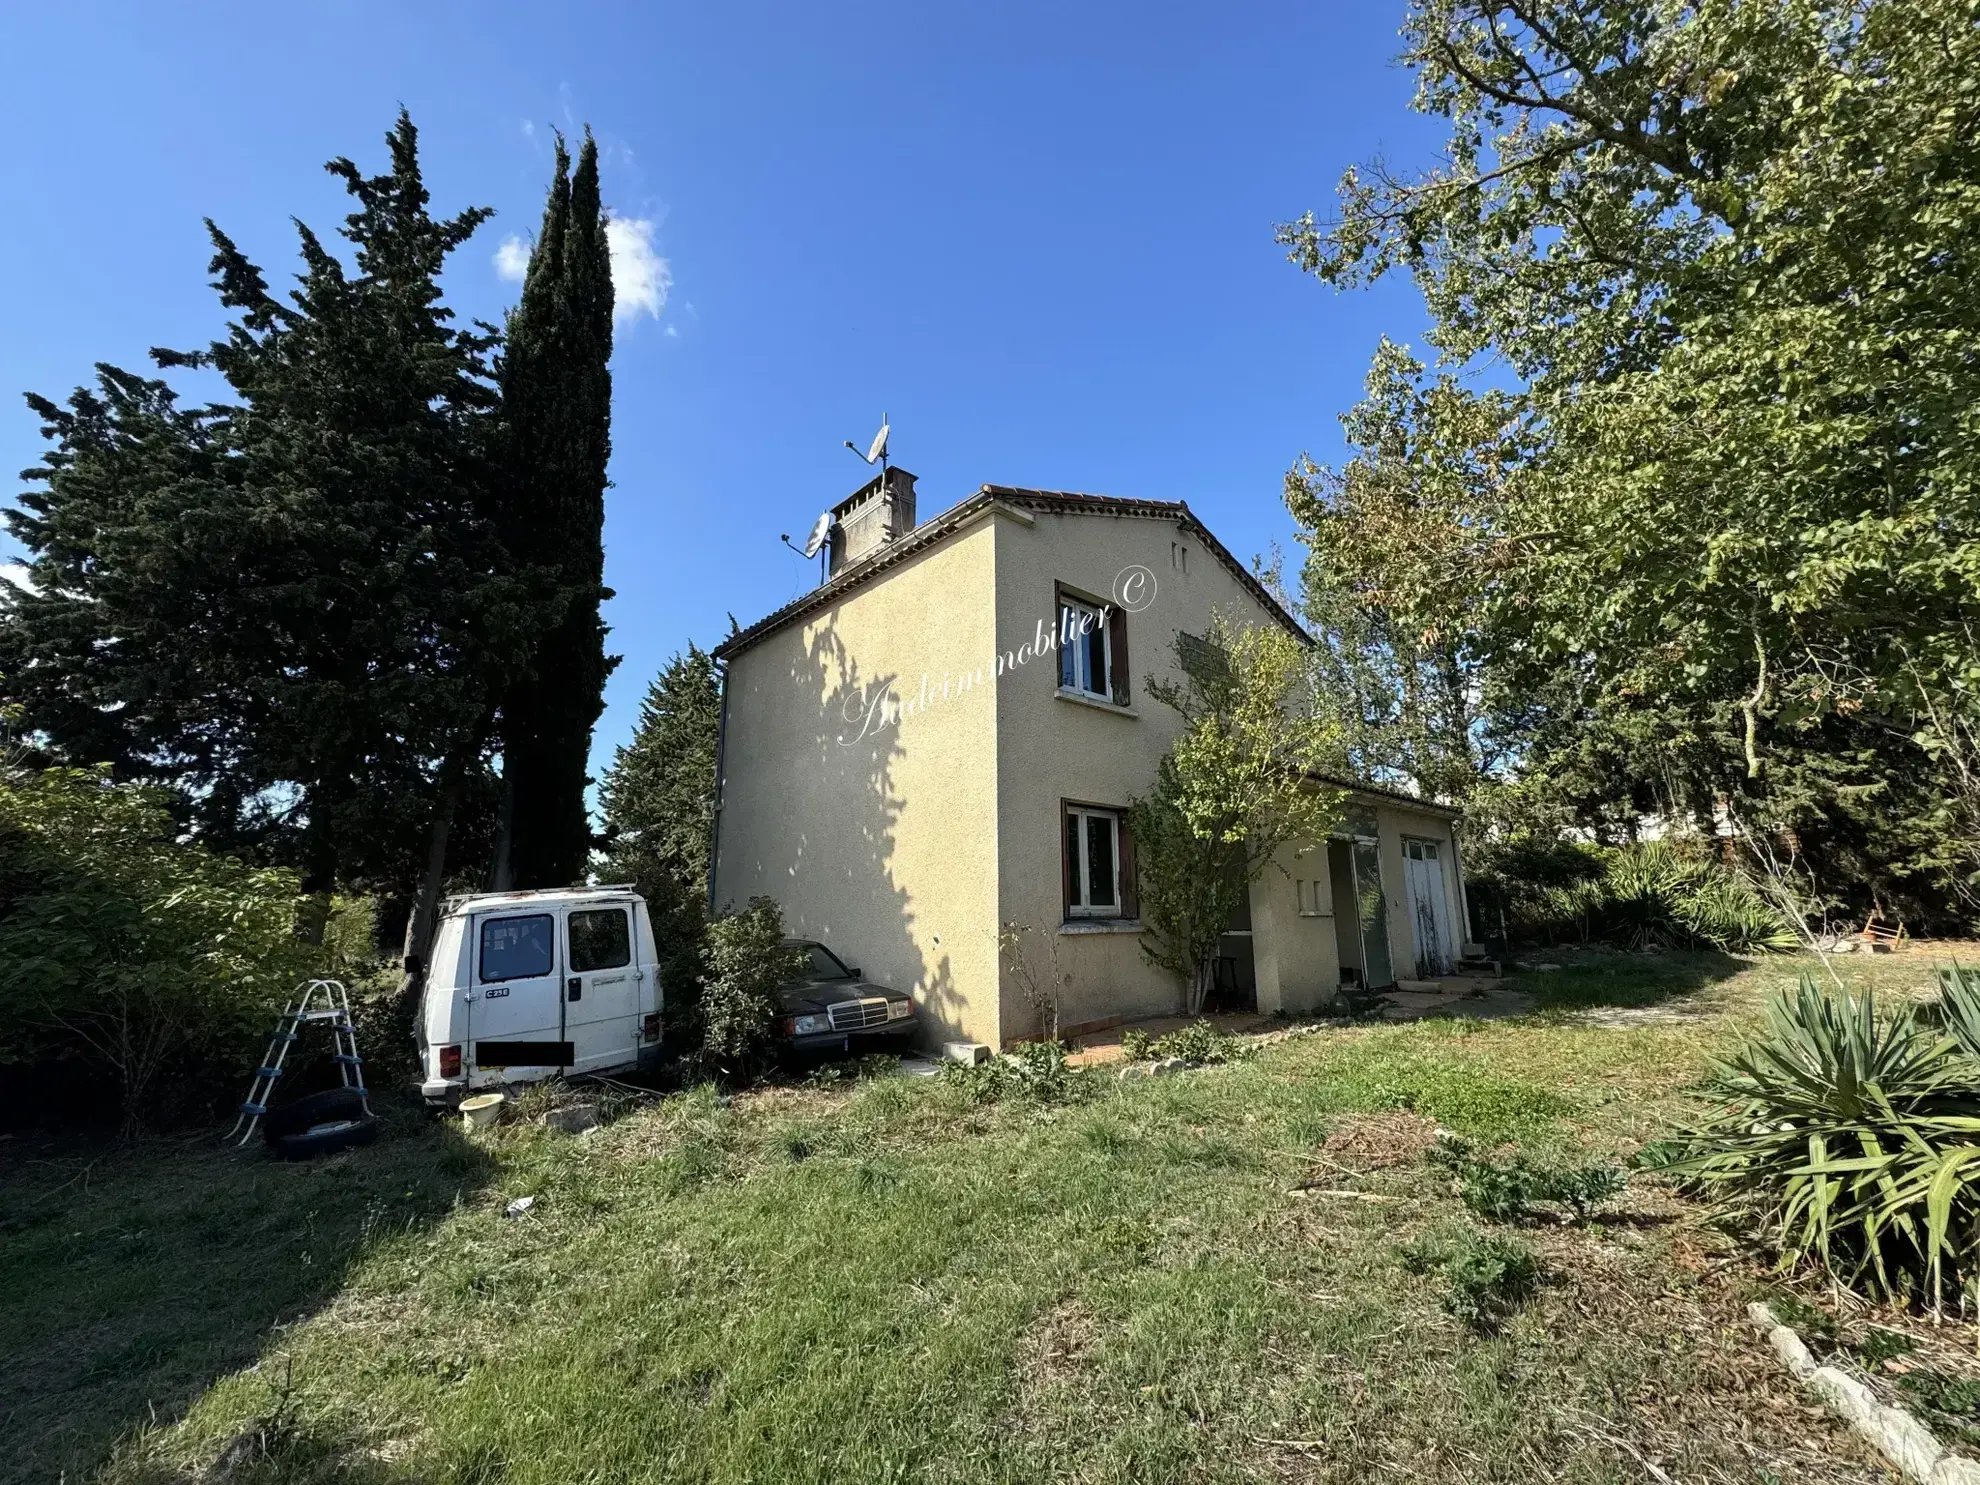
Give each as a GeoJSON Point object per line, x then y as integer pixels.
{"type": "Point", "coordinates": [658, 800]}
{"type": "Point", "coordinates": [293, 606]}
{"type": "Point", "coordinates": [556, 409]}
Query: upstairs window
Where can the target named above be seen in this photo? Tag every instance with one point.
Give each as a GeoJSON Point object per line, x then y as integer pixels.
{"type": "Point", "coordinates": [1083, 649]}
{"type": "Point", "coordinates": [1092, 649]}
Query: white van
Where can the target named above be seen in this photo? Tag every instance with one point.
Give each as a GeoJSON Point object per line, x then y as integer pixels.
{"type": "Point", "coordinates": [528, 985]}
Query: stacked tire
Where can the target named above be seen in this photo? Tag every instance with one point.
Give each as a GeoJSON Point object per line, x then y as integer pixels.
{"type": "Point", "coordinates": [319, 1124]}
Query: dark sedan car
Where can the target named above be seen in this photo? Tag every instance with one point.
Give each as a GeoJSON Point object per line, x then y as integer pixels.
{"type": "Point", "coordinates": [831, 1009]}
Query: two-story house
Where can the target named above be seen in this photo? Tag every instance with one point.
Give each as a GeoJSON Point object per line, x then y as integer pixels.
{"type": "Point", "coordinates": [944, 737]}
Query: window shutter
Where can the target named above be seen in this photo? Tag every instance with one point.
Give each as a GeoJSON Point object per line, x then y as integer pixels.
{"type": "Point", "coordinates": [1130, 887]}
{"type": "Point", "coordinates": [1068, 858]}
{"type": "Point", "coordinates": [1119, 681]}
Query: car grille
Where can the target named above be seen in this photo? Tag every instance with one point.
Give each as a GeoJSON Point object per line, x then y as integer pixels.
{"type": "Point", "coordinates": [857, 1015]}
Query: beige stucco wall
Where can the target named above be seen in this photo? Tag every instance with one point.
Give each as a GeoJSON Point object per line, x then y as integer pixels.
{"type": "Point", "coordinates": [1050, 749]}
{"type": "Point", "coordinates": [1294, 953]}
{"type": "Point", "coordinates": [874, 827]}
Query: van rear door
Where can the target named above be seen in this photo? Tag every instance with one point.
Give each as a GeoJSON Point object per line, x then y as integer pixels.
{"type": "Point", "coordinates": [601, 988]}
{"type": "Point", "coordinates": [515, 1015]}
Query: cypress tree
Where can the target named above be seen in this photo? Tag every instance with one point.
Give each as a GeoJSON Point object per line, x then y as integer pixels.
{"type": "Point", "coordinates": [291, 606]}
{"type": "Point", "coordinates": [556, 409]}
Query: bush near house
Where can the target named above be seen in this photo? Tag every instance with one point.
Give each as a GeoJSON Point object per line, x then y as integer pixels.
{"type": "Point", "coordinates": [746, 962]}
{"type": "Point", "coordinates": [1199, 1042]}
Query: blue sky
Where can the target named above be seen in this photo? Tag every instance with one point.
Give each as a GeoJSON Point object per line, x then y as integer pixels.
{"type": "Point", "coordinates": [1038, 236]}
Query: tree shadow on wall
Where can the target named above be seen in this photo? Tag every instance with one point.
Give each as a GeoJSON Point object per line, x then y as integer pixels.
{"type": "Point", "coordinates": [845, 762]}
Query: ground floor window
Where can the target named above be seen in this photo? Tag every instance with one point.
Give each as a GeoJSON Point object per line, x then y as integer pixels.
{"type": "Point", "coordinates": [1098, 863]}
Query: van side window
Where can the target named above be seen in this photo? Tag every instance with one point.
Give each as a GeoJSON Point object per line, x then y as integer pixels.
{"type": "Point", "coordinates": [517, 948]}
{"type": "Point", "coordinates": [600, 939]}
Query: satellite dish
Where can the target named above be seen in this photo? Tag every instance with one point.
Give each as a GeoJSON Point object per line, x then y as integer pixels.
{"type": "Point", "coordinates": [877, 454]}
{"type": "Point", "coordinates": [818, 533]}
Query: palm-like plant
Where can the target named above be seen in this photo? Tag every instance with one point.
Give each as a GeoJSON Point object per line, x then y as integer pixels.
{"type": "Point", "coordinates": [1851, 1140]}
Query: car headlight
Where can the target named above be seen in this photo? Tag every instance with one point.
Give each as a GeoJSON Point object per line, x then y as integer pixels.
{"type": "Point", "coordinates": [899, 1010]}
{"type": "Point", "coordinates": [810, 1025]}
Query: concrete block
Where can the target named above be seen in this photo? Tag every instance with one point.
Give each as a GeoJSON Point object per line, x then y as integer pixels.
{"type": "Point", "coordinates": [972, 1053]}
{"type": "Point", "coordinates": [573, 1118]}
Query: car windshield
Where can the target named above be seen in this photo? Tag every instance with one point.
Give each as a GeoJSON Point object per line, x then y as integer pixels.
{"type": "Point", "coordinates": [823, 964]}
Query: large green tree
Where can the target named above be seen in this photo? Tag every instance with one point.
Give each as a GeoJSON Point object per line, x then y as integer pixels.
{"type": "Point", "coordinates": [556, 415]}
{"type": "Point", "coordinates": [294, 605]}
{"type": "Point", "coordinates": [1722, 259]}
{"type": "Point", "coordinates": [659, 808]}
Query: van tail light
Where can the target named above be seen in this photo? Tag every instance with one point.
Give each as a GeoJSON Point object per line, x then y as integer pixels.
{"type": "Point", "coordinates": [450, 1062]}
{"type": "Point", "coordinates": [649, 1027]}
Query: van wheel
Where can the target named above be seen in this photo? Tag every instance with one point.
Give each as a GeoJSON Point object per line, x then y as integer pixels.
{"type": "Point", "coordinates": [334, 1105]}
{"type": "Point", "coordinates": [327, 1138]}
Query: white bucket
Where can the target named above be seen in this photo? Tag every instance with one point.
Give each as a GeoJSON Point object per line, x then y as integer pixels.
{"type": "Point", "coordinates": [479, 1112]}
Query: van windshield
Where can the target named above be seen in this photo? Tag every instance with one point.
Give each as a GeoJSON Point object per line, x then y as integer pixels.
{"type": "Point", "coordinates": [825, 964]}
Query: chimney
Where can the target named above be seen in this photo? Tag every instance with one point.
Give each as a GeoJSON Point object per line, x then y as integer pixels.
{"type": "Point", "coordinates": [878, 512]}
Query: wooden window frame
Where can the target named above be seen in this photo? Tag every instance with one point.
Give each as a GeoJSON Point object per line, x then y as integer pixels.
{"type": "Point", "coordinates": [1126, 906]}
{"type": "Point", "coordinates": [1114, 645]}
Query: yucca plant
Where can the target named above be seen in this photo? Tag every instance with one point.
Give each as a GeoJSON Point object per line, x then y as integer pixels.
{"type": "Point", "coordinates": [1722, 910]}
{"type": "Point", "coordinates": [1849, 1140]}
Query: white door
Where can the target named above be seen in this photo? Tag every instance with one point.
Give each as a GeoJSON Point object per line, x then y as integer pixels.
{"type": "Point", "coordinates": [601, 989]}
{"type": "Point", "coordinates": [1429, 912]}
{"type": "Point", "coordinates": [515, 1009]}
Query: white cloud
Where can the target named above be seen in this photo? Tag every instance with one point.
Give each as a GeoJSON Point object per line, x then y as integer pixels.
{"type": "Point", "coordinates": [512, 260]}
{"type": "Point", "coordinates": [15, 575]}
{"type": "Point", "coordinates": [529, 129]}
{"type": "Point", "coordinates": [640, 276]}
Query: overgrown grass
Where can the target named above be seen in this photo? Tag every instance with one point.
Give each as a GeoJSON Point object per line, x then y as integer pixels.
{"type": "Point", "coordinates": [899, 1279]}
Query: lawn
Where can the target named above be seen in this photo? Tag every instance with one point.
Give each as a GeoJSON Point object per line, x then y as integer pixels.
{"type": "Point", "coordinates": [1200, 1277]}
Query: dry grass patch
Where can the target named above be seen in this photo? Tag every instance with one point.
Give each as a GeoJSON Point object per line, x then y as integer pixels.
{"type": "Point", "coordinates": [1361, 1143]}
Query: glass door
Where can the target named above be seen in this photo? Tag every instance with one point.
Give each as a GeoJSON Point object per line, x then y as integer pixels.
{"type": "Point", "coordinates": [1373, 915]}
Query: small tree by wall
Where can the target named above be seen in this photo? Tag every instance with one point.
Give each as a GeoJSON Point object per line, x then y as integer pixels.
{"type": "Point", "coordinates": [747, 960]}
{"type": "Point", "coordinates": [1042, 985]}
{"type": "Point", "coordinates": [1242, 782]}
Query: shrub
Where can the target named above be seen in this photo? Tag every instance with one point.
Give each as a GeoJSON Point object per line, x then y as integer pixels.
{"type": "Point", "coordinates": [1486, 1275]}
{"type": "Point", "coordinates": [1651, 893]}
{"type": "Point", "coordinates": [1199, 1042]}
{"type": "Point", "coordinates": [127, 952]}
{"type": "Point", "coordinates": [1508, 1190]}
{"type": "Point", "coordinates": [746, 962]}
{"type": "Point", "coordinates": [1035, 1071]}
{"type": "Point", "coordinates": [1850, 1141]}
